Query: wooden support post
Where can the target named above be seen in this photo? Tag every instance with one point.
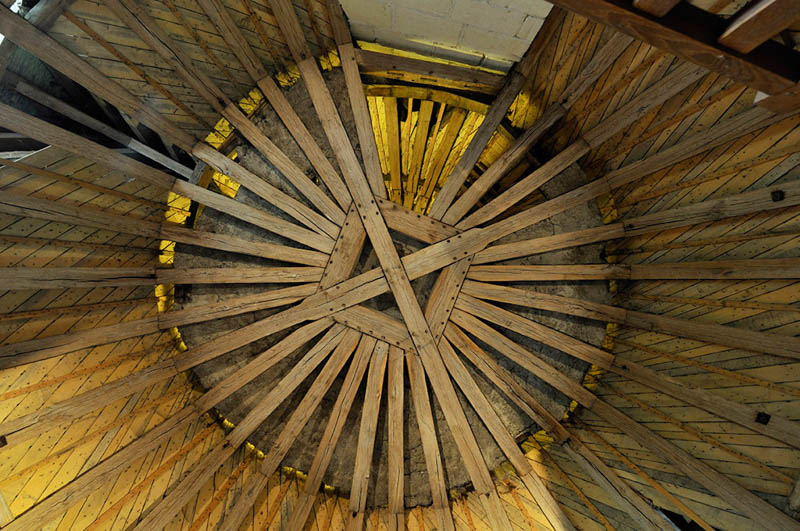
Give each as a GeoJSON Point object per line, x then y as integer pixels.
{"type": "Point", "coordinates": [758, 23]}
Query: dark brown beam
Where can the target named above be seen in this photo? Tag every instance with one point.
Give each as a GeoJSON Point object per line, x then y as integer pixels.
{"type": "Point", "coordinates": [691, 33]}
{"type": "Point", "coordinates": [759, 23]}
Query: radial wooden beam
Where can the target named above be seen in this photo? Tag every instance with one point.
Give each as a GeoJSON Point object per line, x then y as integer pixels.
{"type": "Point", "coordinates": [762, 200]}
{"type": "Point", "coordinates": [691, 33]}
{"type": "Point", "coordinates": [758, 23]}
{"type": "Point", "coordinates": [430, 445]}
{"type": "Point", "coordinates": [358, 101]}
{"type": "Point", "coordinates": [346, 252]}
{"type": "Point", "coordinates": [39, 44]}
{"type": "Point", "coordinates": [161, 513]}
{"type": "Point", "coordinates": [765, 342]}
{"type": "Point", "coordinates": [237, 275]}
{"type": "Point", "coordinates": [75, 277]}
{"type": "Point", "coordinates": [292, 428]}
{"type": "Point", "coordinates": [377, 324]}
{"type": "Point", "coordinates": [728, 490]}
{"type": "Point", "coordinates": [367, 430]}
{"type": "Point", "coordinates": [655, 95]}
{"type": "Point", "coordinates": [418, 226]}
{"type": "Point", "coordinates": [395, 419]}
{"type": "Point", "coordinates": [769, 268]}
{"type": "Point", "coordinates": [333, 430]}
{"type": "Point", "coordinates": [555, 516]}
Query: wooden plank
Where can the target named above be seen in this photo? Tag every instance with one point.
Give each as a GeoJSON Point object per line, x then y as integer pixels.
{"type": "Point", "coordinates": [418, 226]}
{"type": "Point", "coordinates": [161, 514]}
{"type": "Point", "coordinates": [775, 268]}
{"type": "Point", "coordinates": [770, 343]}
{"type": "Point", "coordinates": [759, 23]}
{"type": "Point", "coordinates": [691, 33]}
{"type": "Point", "coordinates": [657, 8]}
{"type": "Point", "coordinates": [51, 52]}
{"type": "Point", "coordinates": [392, 142]}
{"type": "Point", "coordinates": [292, 428]}
{"type": "Point", "coordinates": [502, 378]}
{"type": "Point", "coordinates": [443, 296]}
{"type": "Point", "coordinates": [377, 324]}
{"type": "Point", "coordinates": [333, 430]}
{"type": "Point", "coordinates": [75, 277]}
{"type": "Point", "coordinates": [421, 71]}
{"type": "Point", "coordinates": [346, 252]}
{"type": "Point", "coordinates": [368, 428]}
{"type": "Point", "coordinates": [605, 477]}
{"type": "Point", "coordinates": [223, 242]}
{"type": "Point", "coordinates": [430, 445]}
{"type": "Point", "coordinates": [237, 275]}
{"type": "Point", "coordinates": [396, 476]}
{"type": "Point", "coordinates": [510, 158]}
{"type": "Point", "coordinates": [507, 444]}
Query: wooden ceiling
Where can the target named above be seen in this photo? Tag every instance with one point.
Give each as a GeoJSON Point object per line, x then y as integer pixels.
{"type": "Point", "coordinates": [689, 406]}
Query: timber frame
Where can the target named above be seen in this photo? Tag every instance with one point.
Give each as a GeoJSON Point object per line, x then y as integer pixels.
{"type": "Point", "coordinates": [469, 213]}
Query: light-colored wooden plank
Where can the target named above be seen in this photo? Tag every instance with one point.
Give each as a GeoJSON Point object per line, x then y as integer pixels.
{"type": "Point", "coordinates": [395, 467]}
{"type": "Point", "coordinates": [368, 428]}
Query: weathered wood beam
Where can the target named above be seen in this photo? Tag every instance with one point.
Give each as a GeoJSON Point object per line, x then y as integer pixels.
{"type": "Point", "coordinates": [758, 23]}
{"type": "Point", "coordinates": [346, 251]}
{"type": "Point", "coordinates": [604, 477]}
{"type": "Point", "coordinates": [376, 324]}
{"type": "Point", "coordinates": [183, 491]}
{"type": "Point", "coordinates": [515, 80]}
{"type": "Point", "coordinates": [421, 71]}
{"type": "Point", "coordinates": [658, 8]}
{"type": "Point", "coordinates": [38, 43]}
{"type": "Point", "coordinates": [333, 430]}
{"type": "Point", "coordinates": [430, 445]}
{"type": "Point", "coordinates": [75, 277]}
{"type": "Point", "coordinates": [237, 275]}
{"type": "Point", "coordinates": [555, 516]}
{"type": "Point", "coordinates": [762, 200]}
{"type": "Point", "coordinates": [767, 268]}
{"type": "Point", "coordinates": [368, 429]}
{"type": "Point", "coordinates": [395, 419]}
{"type": "Point", "coordinates": [292, 428]}
{"type": "Point", "coordinates": [779, 428]}
{"type": "Point", "coordinates": [751, 505]}
{"type": "Point", "coordinates": [42, 97]}
{"type": "Point", "coordinates": [358, 100]}
{"type": "Point", "coordinates": [691, 33]}
{"type": "Point", "coordinates": [418, 226]}
{"type": "Point", "coordinates": [235, 306]}
{"type": "Point", "coordinates": [655, 95]}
